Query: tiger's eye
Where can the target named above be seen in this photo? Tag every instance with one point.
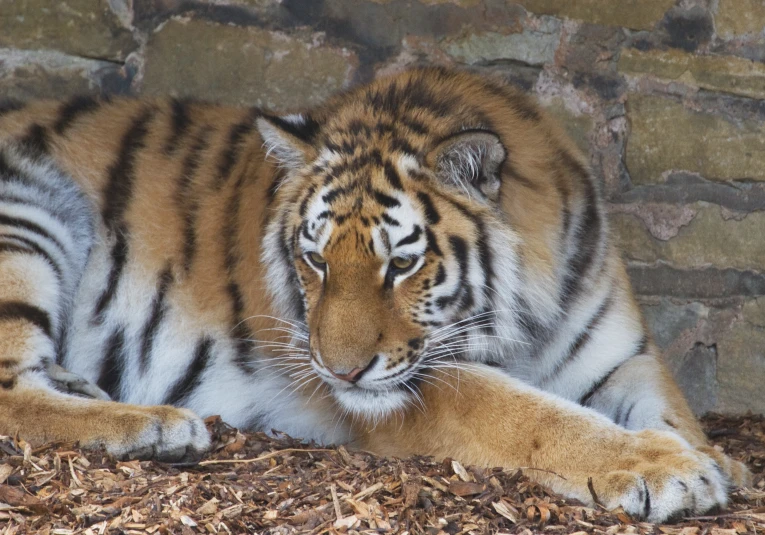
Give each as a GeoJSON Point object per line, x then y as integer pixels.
{"type": "Point", "coordinates": [317, 259]}
{"type": "Point", "coordinates": [401, 262]}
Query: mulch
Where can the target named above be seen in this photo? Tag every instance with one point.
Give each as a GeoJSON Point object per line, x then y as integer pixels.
{"type": "Point", "coordinates": [253, 483]}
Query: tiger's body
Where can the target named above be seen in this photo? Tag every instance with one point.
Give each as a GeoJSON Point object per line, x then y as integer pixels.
{"type": "Point", "coordinates": [427, 254]}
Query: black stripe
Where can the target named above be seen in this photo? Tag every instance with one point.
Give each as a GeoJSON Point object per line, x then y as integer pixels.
{"type": "Point", "coordinates": [587, 236]}
{"type": "Point", "coordinates": [460, 250]}
{"type": "Point", "coordinates": [35, 142]}
{"type": "Point", "coordinates": [582, 338]}
{"type": "Point", "coordinates": [411, 238]}
{"type": "Point", "coordinates": [188, 203]}
{"type": "Point", "coordinates": [15, 310]}
{"type": "Point", "coordinates": [119, 256]}
{"type": "Point", "coordinates": [243, 338]}
{"type": "Point", "coordinates": [433, 243]}
{"type": "Point", "coordinates": [391, 175]}
{"type": "Point", "coordinates": [180, 124]}
{"type": "Point", "coordinates": [304, 203]}
{"type": "Point", "coordinates": [121, 174]}
{"type": "Point", "coordinates": [230, 154]}
{"type": "Point", "coordinates": [440, 275]}
{"type": "Point", "coordinates": [304, 130]}
{"type": "Point", "coordinates": [389, 220]}
{"type": "Point", "coordinates": [29, 247]}
{"type": "Point", "coordinates": [113, 365]}
{"type": "Point", "coordinates": [185, 386]}
{"type": "Point", "coordinates": [72, 109]}
{"type": "Point", "coordinates": [641, 348]}
{"type": "Point", "coordinates": [431, 214]}
{"type": "Point", "coordinates": [386, 200]}
{"type": "Point", "coordinates": [8, 105]}
{"type": "Point", "coordinates": [117, 196]}
{"type": "Point", "coordinates": [158, 311]}
{"type": "Point", "coordinates": [31, 227]}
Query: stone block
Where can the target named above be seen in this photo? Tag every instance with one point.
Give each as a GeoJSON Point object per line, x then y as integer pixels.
{"type": "Point", "coordinates": [243, 66]}
{"type": "Point", "coordinates": [634, 14]}
{"type": "Point", "coordinates": [578, 125]}
{"type": "Point", "coordinates": [741, 366]}
{"type": "Point", "coordinates": [26, 75]}
{"type": "Point", "coordinates": [716, 353]}
{"type": "Point", "coordinates": [729, 74]}
{"type": "Point", "coordinates": [665, 135]}
{"type": "Point", "coordinates": [736, 17]}
{"type": "Point", "coordinates": [710, 238]}
{"type": "Point", "coordinates": [85, 28]}
{"type": "Point", "coordinates": [532, 46]}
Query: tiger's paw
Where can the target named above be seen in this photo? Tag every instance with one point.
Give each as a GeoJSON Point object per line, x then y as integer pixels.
{"type": "Point", "coordinates": [663, 479]}
{"type": "Point", "coordinates": [162, 433]}
{"type": "Point", "coordinates": [737, 472]}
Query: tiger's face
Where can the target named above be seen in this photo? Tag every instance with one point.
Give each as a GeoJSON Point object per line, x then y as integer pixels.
{"type": "Point", "coordinates": [387, 245]}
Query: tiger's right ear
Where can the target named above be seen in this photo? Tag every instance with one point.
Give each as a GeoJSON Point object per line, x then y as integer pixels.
{"type": "Point", "coordinates": [287, 139]}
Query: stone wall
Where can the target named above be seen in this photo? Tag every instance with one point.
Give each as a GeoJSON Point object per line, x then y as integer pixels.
{"type": "Point", "coordinates": [666, 96]}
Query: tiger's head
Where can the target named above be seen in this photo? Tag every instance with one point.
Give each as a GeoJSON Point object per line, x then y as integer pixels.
{"type": "Point", "coordinates": [390, 237]}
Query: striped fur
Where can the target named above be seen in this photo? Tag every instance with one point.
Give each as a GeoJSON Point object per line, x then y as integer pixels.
{"type": "Point", "coordinates": [425, 238]}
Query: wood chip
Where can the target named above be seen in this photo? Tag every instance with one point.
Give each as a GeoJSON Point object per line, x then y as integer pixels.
{"type": "Point", "coordinates": [283, 486]}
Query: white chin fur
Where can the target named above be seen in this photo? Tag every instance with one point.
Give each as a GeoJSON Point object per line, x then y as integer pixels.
{"type": "Point", "coordinates": [371, 405]}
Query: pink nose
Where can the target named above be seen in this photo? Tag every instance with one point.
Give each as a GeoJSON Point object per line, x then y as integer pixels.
{"type": "Point", "coordinates": [355, 374]}
{"type": "Point", "coordinates": [352, 376]}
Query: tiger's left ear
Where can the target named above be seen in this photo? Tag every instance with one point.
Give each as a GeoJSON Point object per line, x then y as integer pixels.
{"type": "Point", "coordinates": [288, 138]}
{"type": "Point", "coordinates": [470, 159]}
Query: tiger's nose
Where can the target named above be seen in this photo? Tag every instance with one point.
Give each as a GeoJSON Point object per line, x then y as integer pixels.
{"type": "Point", "coordinates": [355, 374]}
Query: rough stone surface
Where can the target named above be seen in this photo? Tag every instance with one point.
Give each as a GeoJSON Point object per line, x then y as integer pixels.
{"type": "Point", "coordinates": [735, 17]}
{"type": "Point", "coordinates": [79, 27]}
{"type": "Point", "coordinates": [668, 136]}
{"type": "Point", "coordinates": [721, 73]}
{"type": "Point", "coordinates": [243, 65]}
{"type": "Point", "coordinates": [26, 75]}
{"type": "Point", "coordinates": [740, 374]}
{"type": "Point", "coordinates": [635, 14]}
{"type": "Point", "coordinates": [534, 47]}
{"type": "Point", "coordinates": [716, 352]}
{"type": "Point", "coordinates": [578, 125]}
{"type": "Point", "coordinates": [706, 283]}
{"type": "Point", "coordinates": [708, 240]}
{"type": "Point", "coordinates": [666, 97]}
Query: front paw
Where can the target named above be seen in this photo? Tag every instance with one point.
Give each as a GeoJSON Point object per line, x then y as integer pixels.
{"type": "Point", "coordinates": [163, 433]}
{"type": "Point", "coordinates": [662, 478]}
{"type": "Point", "coordinates": [737, 472]}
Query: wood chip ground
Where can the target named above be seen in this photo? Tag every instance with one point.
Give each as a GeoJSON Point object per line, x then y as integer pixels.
{"type": "Point", "coordinates": [256, 484]}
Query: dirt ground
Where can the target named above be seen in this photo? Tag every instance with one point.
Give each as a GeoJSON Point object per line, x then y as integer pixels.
{"type": "Point", "coordinates": [252, 483]}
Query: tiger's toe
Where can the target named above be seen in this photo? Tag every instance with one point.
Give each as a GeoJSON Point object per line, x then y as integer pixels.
{"type": "Point", "coordinates": [166, 434]}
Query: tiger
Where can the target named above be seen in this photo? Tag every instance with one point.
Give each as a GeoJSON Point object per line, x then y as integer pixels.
{"type": "Point", "coordinates": [419, 265]}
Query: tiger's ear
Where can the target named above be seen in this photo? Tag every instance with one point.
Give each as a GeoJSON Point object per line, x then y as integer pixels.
{"type": "Point", "coordinates": [287, 139]}
{"type": "Point", "coordinates": [470, 159]}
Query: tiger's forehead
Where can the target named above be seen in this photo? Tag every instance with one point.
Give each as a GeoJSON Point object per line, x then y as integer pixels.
{"type": "Point", "coordinates": [365, 199]}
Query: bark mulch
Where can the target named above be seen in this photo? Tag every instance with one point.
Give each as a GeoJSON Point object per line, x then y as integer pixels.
{"type": "Point", "coordinates": [252, 483]}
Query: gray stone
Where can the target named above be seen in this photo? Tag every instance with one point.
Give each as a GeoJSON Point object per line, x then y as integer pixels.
{"type": "Point", "coordinates": [712, 238]}
{"type": "Point", "coordinates": [243, 66]}
{"type": "Point", "coordinates": [635, 14]}
{"type": "Point", "coordinates": [709, 283]}
{"type": "Point", "coordinates": [27, 75]}
{"type": "Point", "coordinates": [666, 135]}
{"type": "Point", "coordinates": [532, 46]}
{"type": "Point", "coordinates": [696, 375]}
{"type": "Point", "coordinates": [85, 28]}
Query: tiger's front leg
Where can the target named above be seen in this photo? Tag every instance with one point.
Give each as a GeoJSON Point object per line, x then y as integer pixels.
{"type": "Point", "coordinates": [489, 419]}
{"type": "Point", "coordinates": [44, 241]}
{"type": "Point", "coordinates": [641, 394]}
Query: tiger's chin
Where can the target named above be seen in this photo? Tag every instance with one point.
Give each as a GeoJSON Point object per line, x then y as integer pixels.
{"type": "Point", "coordinates": [372, 405]}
